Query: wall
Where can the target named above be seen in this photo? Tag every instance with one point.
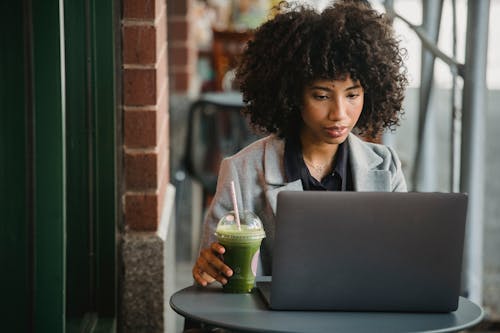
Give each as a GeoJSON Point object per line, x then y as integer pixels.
{"type": "Point", "coordinates": [147, 193]}
{"type": "Point", "coordinates": [182, 47]}
{"type": "Point", "coordinates": [184, 86]}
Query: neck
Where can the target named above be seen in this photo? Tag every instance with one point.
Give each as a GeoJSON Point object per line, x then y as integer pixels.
{"type": "Point", "coordinates": [318, 157]}
{"type": "Point", "coordinates": [318, 152]}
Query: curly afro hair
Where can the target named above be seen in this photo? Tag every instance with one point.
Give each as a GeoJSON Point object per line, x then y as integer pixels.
{"type": "Point", "coordinates": [301, 45]}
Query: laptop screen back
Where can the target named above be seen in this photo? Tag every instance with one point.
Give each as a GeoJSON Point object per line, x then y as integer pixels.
{"type": "Point", "coordinates": [368, 251]}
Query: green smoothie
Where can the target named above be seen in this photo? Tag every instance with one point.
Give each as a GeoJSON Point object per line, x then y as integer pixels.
{"type": "Point", "coordinates": [242, 249]}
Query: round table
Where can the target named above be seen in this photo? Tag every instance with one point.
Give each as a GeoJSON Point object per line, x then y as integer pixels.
{"type": "Point", "coordinates": [249, 313]}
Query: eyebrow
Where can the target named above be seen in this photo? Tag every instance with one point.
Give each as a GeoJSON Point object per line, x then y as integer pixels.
{"type": "Point", "coordinates": [356, 86]}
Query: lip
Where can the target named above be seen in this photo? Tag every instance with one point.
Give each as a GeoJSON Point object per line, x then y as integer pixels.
{"type": "Point", "coordinates": [336, 131]}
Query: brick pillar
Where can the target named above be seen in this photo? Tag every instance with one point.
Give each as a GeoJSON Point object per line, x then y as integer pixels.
{"type": "Point", "coordinates": [145, 86]}
{"type": "Point", "coordinates": [146, 165]}
{"type": "Point", "coordinates": [182, 48]}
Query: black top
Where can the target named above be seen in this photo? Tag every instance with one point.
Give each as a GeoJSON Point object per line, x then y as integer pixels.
{"type": "Point", "coordinates": [340, 179]}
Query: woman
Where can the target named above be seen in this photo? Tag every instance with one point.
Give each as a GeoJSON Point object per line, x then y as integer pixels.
{"type": "Point", "coordinates": [309, 79]}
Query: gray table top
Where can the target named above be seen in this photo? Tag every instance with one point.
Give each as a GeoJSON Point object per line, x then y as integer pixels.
{"type": "Point", "coordinates": [249, 313]}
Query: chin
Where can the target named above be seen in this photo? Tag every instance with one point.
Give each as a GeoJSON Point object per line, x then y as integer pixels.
{"type": "Point", "coordinates": [335, 141]}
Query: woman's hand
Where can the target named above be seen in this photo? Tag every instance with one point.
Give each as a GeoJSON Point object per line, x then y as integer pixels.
{"type": "Point", "coordinates": [209, 267]}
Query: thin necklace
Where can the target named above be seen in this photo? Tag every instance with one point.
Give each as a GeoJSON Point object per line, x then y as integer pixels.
{"type": "Point", "coordinates": [320, 168]}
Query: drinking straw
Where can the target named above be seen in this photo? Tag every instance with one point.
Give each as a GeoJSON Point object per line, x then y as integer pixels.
{"type": "Point", "coordinates": [235, 205]}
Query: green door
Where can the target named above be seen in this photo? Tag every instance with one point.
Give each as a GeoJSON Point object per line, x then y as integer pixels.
{"type": "Point", "coordinates": [16, 269]}
{"type": "Point", "coordinates": [58, 166]}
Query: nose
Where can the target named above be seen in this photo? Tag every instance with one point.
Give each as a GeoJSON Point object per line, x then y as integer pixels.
{"type": "Point", "coordinates": [338, 110]}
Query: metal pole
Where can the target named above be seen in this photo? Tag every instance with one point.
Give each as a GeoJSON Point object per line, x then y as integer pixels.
{"type": "Point", "coordinates": [424, 170]}
{"type": "Point", "coordinates": [473, 141]}
{"type": "Point", "coordinates": [456, 114]}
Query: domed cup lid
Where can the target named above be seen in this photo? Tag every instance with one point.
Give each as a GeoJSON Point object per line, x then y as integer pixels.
{"type": "Point", "coordinates": [250, 227]}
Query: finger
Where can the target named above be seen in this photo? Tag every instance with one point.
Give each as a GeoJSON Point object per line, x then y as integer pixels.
{"type": "Point", "coordinates": [207, 277]}
{"type": "Point", "coordinates": [210, 270]}
{"type": "Point", "coordinates": [202, 277]}
{"type": "Point", "coordinates": [216, 247]}
{"type": "Point", "coordinates": [198, 277]}
{"type": "Point", "coordinates": [216, 262]}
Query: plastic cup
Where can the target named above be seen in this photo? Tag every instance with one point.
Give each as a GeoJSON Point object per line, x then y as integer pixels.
{"type": "Point", "coordinates": [242, 246]}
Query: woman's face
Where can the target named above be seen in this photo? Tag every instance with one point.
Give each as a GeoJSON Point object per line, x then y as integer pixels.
{"type": "Point", "coordinates": [331, 110]}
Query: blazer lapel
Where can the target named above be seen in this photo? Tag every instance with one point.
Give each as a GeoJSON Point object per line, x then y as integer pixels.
{"type": "Point", "coordinates": [364, 163]}
{"type": "Point", "coordinates": [274, 172]}
{"type": "Point", "coordinates": [272, 194]}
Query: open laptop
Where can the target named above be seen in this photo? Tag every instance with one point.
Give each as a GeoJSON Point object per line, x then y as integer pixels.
{"type": "Point", "coordinates": [367, 251]}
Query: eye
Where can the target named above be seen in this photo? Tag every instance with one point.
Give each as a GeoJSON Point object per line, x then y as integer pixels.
{"type": "Point", "coordinates": [352, 95]}
{"type": "Point", "coordinates": [320, 97]}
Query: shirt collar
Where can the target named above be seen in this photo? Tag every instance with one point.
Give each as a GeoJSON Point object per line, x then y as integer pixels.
{"type": "Point", "coordinates": [293, 159]}
{"type": "Point", "coordinates": [341, 162]}
{"type": "Point", "coordinates": [294, 162]}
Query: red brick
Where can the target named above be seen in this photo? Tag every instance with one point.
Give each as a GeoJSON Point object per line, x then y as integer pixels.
{"type": "Point", "coordinates": [161, 35]}
{"type": "Point", "coordinates": [139, 9]}
{"type": "Point", "coordinates": [182, 56]}
{"type": "Point", "coordinates": [161, 115]}
{"type": "Point", "coordinates": [163, 134]}
{"type": "Point", "coordinates": [139, 86]}
{"type": "Point", "coordinates": [140, 128]}
{"type": "Point", "coordinates": [161, 7]}
{"type": "Point", "coordinates": [141, 211]}
{"type": "Point", "coordinates": [139, 45]}
{"type": "Point", "coordinates": [178, 30]}
{"type": "Point", "coordinates": [161, 76]}
{"type": "Point", "coordinates": [162, 156]}
{"type": "Point", "coordinates": [179, 55]}
{"type": "Point", "coordinates": [162, 190]}
{"type": "Point", "coordinates": [180, 82]}
{"type": "Point", "coordinates": [163, 168]}
{"type": "Point", "coordinates": [141, 171]}
{"type": "Point", "coordinates": [177, 7]}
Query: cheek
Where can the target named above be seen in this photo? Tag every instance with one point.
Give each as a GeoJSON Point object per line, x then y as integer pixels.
{"type": "Point", "coordinates": [356, 110]}
{"type": "Point", "coordinates": [311, 114]}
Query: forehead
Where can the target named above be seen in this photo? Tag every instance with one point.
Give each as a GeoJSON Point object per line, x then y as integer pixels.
{"type": "Point", "coordinates": [343, 82]}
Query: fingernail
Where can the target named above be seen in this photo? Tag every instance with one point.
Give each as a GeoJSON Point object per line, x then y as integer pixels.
{"type": "Point", "coordinates": [223, 281]}
{"type": "Point", "coordinates": [229, 273]}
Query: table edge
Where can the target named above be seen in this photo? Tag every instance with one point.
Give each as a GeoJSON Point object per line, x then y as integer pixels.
{"type": "Point", "coordinates": [246, 329]}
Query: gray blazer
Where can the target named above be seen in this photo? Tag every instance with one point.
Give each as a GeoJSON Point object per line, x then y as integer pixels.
{"type": "Point", "coordinates": [258, 174]}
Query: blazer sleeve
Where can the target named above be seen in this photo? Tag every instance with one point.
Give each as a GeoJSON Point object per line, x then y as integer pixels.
{"type": "Point", "coordinates": [221, 203]}
{"type": "Point", "coordinates": [398, 182]}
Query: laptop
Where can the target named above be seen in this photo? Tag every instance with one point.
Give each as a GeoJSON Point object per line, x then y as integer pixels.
{"type": "Point", "coordinates": [367, 251]}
